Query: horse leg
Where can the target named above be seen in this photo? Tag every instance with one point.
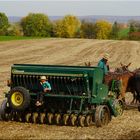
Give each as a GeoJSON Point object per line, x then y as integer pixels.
{"type": "Point", "coordinates": [134, 97]}
{"type": "Point", "coordinates": [122, 94]}
{"type": "Point", "coordinates": [138, 96]}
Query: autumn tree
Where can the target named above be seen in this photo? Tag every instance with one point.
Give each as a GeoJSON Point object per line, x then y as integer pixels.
{"type": "Point", "coordinates": [87, 29]}
{"type": "Point", "coordinates": [36, 24]}
{"type": "Point", "coordinates": [102, 29]}
{"type": "Point", "coordinates": [4, 24]}
{"type": "Point", "coordinates": [14, 30]}
{"type": "Point", "coordinates": [59, 29]}
{"type": "Point", "coordinates": [67, 27]}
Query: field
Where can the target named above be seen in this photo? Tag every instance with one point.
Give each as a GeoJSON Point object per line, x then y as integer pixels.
{"type": "Point", "coordinates": [69, 52]}
{"type": "Point", "coordinates": [123, 33]}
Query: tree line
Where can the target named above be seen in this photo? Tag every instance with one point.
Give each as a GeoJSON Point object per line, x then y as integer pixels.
{"type": "Point", "coordinates": [39, 25]}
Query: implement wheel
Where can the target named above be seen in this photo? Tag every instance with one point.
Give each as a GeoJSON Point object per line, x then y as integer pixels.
{"type": "Point", "coordinates": [81, 120]}
{"type": "Point", "coordinates": [102, 115]}
{"type": "Point", "coordinates": [50, 118]}
{"type": "Point", "coordinates": [42, 118]}
{"type": "Point", "coordinates": [65, 119]}
{"type": "Point", "coordinates": [3, 111]}
{"type": "Point", "coordinates": [19, 117]}
{"type": "Point", "coordinates": [16, 116]}
{"type": "Point", "coordinates": [57, 118]}
{"type": "Point", "coordinates": [19, 98]}
{"type": "Point", "coordinates": [28, 117]}
{"type": "Point", "coordinates": [73, 119]}
{"type": "Point", "coordinates": [22, 117]}
{"type": "Point", "coordinates": [88, 120]}
{"type": "Point", "coordinates": [35, 118]}
{"type": "Point", "coordinates": [119, 107]}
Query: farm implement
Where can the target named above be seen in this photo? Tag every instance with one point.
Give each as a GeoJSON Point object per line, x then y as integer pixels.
{"type": "Point", "coordinates": [78, 96]}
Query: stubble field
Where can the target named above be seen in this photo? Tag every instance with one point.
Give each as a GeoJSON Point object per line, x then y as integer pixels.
{"type": "Point", "coordinates": [69, 52]}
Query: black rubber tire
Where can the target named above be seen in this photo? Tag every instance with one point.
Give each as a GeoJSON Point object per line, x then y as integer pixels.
{"type": "Point", "coordinates": [3, 111]}
{"type": "Point", "coordinates": [24, 94]}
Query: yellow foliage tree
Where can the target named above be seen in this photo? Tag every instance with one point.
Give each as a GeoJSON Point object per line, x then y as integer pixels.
{"type": "Point", "coordinates": [59, 29]}
{"type": "Point", "coordinates": [102, 29]}
{"type": "Point", "coordinates": [67, 27]}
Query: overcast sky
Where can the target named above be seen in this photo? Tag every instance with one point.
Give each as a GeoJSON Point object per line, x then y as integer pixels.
{"type": "Point", "coordinates": [75, 7]}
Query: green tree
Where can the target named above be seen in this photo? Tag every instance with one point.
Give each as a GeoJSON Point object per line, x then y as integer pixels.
{"type": "Point", "coordinates": [67, 27]}
{"type": "Point", "coordinates": [102, 29]}
{"type": "Point", "coordinates": [115, 31]}
{"type": "Point", "coordinates": [87, 30]}
{"type": "Point", "coordinates": [132, 28]}
{"type": "Point", "coordinates": [36, 24]}
{"type": "Point", "coordinates": [4, 24]}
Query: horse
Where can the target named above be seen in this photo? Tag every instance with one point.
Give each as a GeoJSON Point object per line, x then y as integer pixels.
{"type": "Point", "coordinates": [134, 84]}
{"type": "Point", "coordinates": [120, 74]}
{"type": "Point", "coordinates": [122, 77]}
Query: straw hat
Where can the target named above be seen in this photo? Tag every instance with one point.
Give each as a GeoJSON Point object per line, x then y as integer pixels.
{"type": "Point", "coordinates": [106, 56]}
{"type": "Point", "coordinates": [43, 78]}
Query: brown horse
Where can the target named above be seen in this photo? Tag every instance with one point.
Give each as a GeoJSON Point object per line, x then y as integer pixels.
{"type": "Point", "coordinates": [133, 83]}
{"type": "Point", "coordinates": [122, 74]}
{"type": "Point", "coordinates": [123, 78]}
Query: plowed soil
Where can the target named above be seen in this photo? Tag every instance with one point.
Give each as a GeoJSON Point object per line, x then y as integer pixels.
{"type": "Point", "coordinates": [69, 52]}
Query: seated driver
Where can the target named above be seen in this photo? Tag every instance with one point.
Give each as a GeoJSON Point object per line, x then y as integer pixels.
{"type": "Point", "coordinates": [46, 87]}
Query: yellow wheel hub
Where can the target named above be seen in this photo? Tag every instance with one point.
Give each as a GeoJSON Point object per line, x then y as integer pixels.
{"type": "Point", "coordinates": [17, 98]}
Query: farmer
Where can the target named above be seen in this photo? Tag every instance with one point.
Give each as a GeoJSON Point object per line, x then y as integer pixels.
{"type": "Point", "coordinates": [103, 63]}
{"type": "Point", "coordinates": [45, 87]}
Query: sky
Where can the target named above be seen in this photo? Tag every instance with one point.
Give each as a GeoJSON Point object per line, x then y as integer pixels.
{"type": "Point", "coordinates": [74, 7]}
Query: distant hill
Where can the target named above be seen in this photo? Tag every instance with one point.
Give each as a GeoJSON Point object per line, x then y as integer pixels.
{"type": "Point", "coordinates": [120, 19]}
{"type": "Point", "coordinates": [14, 19]}
{"type": "Point", "coordinates": [92, 18]}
